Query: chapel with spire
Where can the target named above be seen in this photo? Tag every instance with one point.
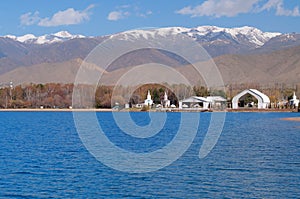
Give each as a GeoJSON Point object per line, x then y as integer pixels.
{"type": "Point", "coordinates": [166, 102]}
{"type": "Point", "coordinates": [148, 101]}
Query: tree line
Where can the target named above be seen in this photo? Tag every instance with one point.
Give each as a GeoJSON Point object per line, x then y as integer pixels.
{"type": "Point", "coordinates": [56, 95]}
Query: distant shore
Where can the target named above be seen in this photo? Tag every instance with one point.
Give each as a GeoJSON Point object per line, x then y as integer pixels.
{"type": "Point", "coordinates": [296, 119]}
{"type": "Point", "coordinates": [262, 110]}
{"type": "Point", "coordinates": [138, 110]}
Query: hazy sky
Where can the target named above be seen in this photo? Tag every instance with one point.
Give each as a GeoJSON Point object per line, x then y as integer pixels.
{"type": "Point", "coordinates": [92, 18]}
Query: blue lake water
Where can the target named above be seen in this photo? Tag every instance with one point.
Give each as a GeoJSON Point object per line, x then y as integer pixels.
{"type": "Point", "coordinates": [42, 156]}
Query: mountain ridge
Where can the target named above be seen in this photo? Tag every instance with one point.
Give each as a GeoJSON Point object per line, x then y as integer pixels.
{"type": "Point", "coordinates": [237, 51]}
{"type": "Point", "coordinates": [60, 36]}
{"type": "Point", "coordinates": [282, 66]}
{"type": "Point", "coordinates": [257, 36]}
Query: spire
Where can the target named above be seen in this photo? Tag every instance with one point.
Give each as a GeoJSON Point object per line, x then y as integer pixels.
{"type": "Point", "coordinates": [165, 96]}
{"type": "Point", "coordinates": [148, 101]}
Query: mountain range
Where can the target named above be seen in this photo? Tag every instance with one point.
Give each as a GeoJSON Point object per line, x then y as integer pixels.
{"type": "Point", "coordinates": [243, 55]}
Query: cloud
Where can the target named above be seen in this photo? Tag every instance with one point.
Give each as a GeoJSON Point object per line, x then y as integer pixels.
{"type": "Point", "coordinates": [232, 8]}
{"type": "Point", "coordinates": [69, 16]}
{"type": "Point", "coordinates": [117, 15]}
{"type": "Point", "coordinates": [280, 10]}
{"type": "Point", "coordinates": [28, 19]}
{"type": "Point", "coordinates": [219, 8]}
{"type": "Point", "coordinates": [124, 11]}
{"type": "Point", "coordinates": [149, 12]}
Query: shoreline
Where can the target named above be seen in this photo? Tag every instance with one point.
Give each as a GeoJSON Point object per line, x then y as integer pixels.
{"type": "Point", "coordinates": [114, 110]}
{"type": "Point", "coordinates": [295, 119]}
{"type": "Point", "coordinates": [55, 110]}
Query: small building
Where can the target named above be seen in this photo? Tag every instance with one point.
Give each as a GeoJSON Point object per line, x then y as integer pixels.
{"type": "Point", "coordinates": [294, 101]}
{"type": "Point", "coordinates": [148, 101]}
{"type": "Point", "coordinates": [210, 102]}
{"type": "Point", "coordinates": [194, 101]}
{"type": "Point", "coordinates": [263, 100]}
{"type": "Point", "coordinates": [173, 106]}
{"type": "Point", "coordinates": [165, 102]}
{"type": "Point", "coordinates": [217, 102]}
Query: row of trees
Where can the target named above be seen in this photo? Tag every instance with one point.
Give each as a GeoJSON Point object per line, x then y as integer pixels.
{"type": "Point", "coordinates": [53, 95]}
{"type": "Point", "coordinates": [37, 95]}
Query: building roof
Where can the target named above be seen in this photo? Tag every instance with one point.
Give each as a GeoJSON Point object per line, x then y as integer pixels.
{"type": "Point", "coordinates": [194, 99]}
{"type": "Point", "coordinates": [216, 98]}
{"type": "Point", "coordinates": [257, 94]}
{"type": "Point", "coordinates": [263, 100]}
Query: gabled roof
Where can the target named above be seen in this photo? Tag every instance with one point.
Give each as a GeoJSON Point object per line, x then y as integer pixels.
{"type": "Point", "coordinates": [195, 99]}
{"type": "Point", "coordinates": [216, 98]}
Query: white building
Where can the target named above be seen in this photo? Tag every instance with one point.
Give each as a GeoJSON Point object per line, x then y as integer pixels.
{"type": "Point", "coordinates": [263, 100]}
{"type": "Point", "coordinates": [194, 102]}
{"type": "Point", "coordinates": [166, 102]}
{"type": "Point", "coordinates": [217, 102]}
{"type": "Point", "coordinates": [210, 102]}
{"type": "Point", "coordinates": [294, 101]}
{"type": "Point", "coordinates": [148, 101]}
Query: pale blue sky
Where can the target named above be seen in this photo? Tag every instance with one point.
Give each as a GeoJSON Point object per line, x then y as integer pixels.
{"type": "Point", "coordinates": [94, 18]}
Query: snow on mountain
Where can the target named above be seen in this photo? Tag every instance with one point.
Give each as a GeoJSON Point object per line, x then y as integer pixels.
{"type": "Point", "coordinates": [45, 39]}
{"type": "Point", "coordinates": [254, 35]}
{"type": "Point", "coordinates": [242, 34]}
{"type": "Point", "coordinates": [249, 36]}
{"type": "Point", "coordinates": [150, 33]}
{"type": "Point", "coordinates": [25, 38]}
{"type": "Point", "coordinates": [245, 35]}
{"type": "Point", "coordinates": [63, 34]}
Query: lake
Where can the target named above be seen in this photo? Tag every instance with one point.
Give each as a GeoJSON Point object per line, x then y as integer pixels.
{"type": "Point", "coordinates": [256, 156]}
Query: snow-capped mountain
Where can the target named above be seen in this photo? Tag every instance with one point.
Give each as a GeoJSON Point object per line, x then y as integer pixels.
{"type": "Point", "coordinates": [27, 50]}
{"type": "Point", "coordinates": [249, 36]}
{"type": "Point", "coordinates": [261, 51]}
{"type": "Point", "coordinates": [242, 34]}
{"type": "Point", "coordinates": [45, 39]}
